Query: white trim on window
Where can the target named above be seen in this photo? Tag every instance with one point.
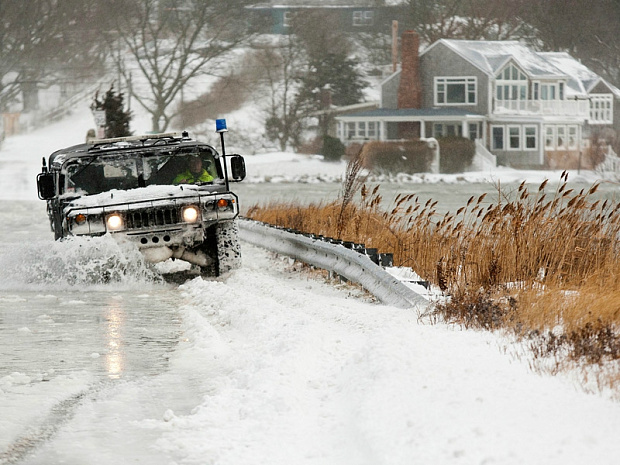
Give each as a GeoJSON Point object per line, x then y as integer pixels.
{"type": "Point", "coordinates": [287, 18]}
{"type": "Point", "coordinates": [549, 91]}
{"type": "Point", "coordinates": [350, 130]}
{"type": "Point", "coordinates": [560, 140]}
{"type": "Point", "coordinates": [455, 90]}
{"type": "Point", "coordinates": [530, 138]}
{"type": "Point", "coordinates": [497, 137]}
{"type": "Point", "coordinates": [514, 138]}
{"type": "Point", "coordinates": [361, 129]}
{"type": "Point", "coordinates": [372, 130]}
{"type": "Point", "coordinates": [473, 130]}
{"type": "Point", "coordinates": [573, 135]}
{"type": "Point", "coordinates": [549, 137]}
{"type": "Point", "coordinates": [601, 109]}
{"type": "Point", "coordinates": [511, 84]}
{"type": "Point", "coordinates": [363, 18]}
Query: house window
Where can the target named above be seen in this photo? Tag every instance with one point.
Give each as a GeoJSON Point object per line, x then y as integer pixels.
{"type": "Point", "coordinates": [350, 130]}
{"type": "Point", "coordinates": [497, 133]}
{"type": "Point", "coordinates": [455, 91]}
{"type": "Point", "coordinates": [287, 19]}
{"type": "Point", "coordinates": [549, 137]}
{"type": "Point", "coordinates": [561, 138]}
{"type": "Point", "coordinates": [372, 130]}
{"type": "Point", "coordinates": [530, 137]}
{"type": "Point", "coordinates": [511, 84]}
{"type": "Point", "coordinates": [443, 130]}
{"type": "Point", "coordinates": [572, 137]}
{"type": "Point", "coordinates": [363, 18]}
{"type": "Point", "coordinates": [473, 131]}
{"type": "Point", "coordinates": [514, 137]}
{"type": "Point", "coordinates": [361, 129]}
{"type": "Point", "coordinates": [548, 91]}
{"type": "Point", "coordinates": [437, 130]}
{"type": "Point", "coordinates": [601, 109]}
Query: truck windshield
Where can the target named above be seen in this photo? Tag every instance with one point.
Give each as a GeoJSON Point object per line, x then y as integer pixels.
{"type": "Point", "coordinates": [93, 175]}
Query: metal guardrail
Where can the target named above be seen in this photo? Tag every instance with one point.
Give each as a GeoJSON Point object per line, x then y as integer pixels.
{"type": "Point", "coordinates": [345, 262]}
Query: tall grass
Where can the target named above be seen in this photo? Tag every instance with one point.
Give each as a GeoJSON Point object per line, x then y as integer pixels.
{"type": "Point", "coordinates": [531, 261]}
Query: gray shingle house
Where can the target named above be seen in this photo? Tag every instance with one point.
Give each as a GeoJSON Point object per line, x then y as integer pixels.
{"type": "Point", "coordinates": [351, 16]}
{"type": "Point", "coordinates": [523, 108]}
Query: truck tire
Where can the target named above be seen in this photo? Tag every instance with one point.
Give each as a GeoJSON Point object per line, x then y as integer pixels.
{"type": "Point", "coordinates": [228, 247]}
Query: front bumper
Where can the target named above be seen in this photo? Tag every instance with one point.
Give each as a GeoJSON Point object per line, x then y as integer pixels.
{"type": "Point", "coordinates": [155, 222]}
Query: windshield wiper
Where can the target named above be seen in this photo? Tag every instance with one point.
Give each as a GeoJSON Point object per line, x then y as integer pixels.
{"type": "Point", "coordinates": [90, 162]}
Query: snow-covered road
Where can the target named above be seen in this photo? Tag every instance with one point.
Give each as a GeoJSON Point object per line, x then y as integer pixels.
{"type": "Point", "coordinates": [276, 367]}
{"type": "Point", "coordinates": [265, 366]}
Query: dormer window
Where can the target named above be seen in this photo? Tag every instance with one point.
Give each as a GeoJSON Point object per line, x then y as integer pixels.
{"type": "Point", "coordinates": [549, 91]}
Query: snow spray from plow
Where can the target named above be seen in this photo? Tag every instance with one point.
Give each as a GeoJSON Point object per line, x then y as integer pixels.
{"type": "Point", "coordinates": [348, 263]}
{"type": "Point", "coordinates": [75, 262]}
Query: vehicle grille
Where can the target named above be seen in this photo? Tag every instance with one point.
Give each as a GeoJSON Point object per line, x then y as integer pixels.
{"type": "Point", "coordinates": [152, 218]}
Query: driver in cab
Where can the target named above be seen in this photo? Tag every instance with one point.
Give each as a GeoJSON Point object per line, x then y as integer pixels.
{"type": "Point", "coordinates": [194, 173]}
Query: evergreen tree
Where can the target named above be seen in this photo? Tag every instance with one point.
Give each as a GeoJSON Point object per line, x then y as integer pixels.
{"type": "Point", "coordinates": [330, 80]}
{"type": "Point", "coordinates": [116, 118]}
{"type": "Point", "coordinates": [337, 73]}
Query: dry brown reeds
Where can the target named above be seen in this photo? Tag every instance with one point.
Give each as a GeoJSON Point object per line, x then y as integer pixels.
{"type": "Point", "coordinates": [530, 261]}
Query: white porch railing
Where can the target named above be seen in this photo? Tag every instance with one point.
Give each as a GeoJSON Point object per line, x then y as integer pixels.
{"type": "Point", "coordinates": [580, 108]}
{"type": "Point", "coordinates": [483, 159]}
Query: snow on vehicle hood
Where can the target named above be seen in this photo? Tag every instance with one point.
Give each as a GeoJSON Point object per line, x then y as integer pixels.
{"type": "Point", "coordinates": [115, 196]}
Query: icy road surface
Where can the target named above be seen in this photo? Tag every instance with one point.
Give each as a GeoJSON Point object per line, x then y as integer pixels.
{"type": "Point", "coordinates": [265, 366]}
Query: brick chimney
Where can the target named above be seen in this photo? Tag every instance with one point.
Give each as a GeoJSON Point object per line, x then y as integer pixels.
{"type": "Point", "coordinates": [410, 88]}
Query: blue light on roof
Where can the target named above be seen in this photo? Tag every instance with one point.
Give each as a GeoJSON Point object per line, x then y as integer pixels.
{"type": "Point", "coordinates": [220, 125]}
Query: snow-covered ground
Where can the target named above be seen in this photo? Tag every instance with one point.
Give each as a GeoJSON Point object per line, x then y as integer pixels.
{"type": "Point", "coordinates": [276, 367]}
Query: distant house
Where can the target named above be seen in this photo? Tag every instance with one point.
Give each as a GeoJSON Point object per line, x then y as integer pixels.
{"type": "Point", "coordinates": [524, 108]}
{"type": "Point", "coordinates": [352, 16]}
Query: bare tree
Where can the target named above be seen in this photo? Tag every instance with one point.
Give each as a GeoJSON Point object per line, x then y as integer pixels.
{"type": "Point", "coordinates": [283, 113]}
{"type": "Point", "coordinates": [467, 19]}
{"type": "Point", "coordinates": [44, 42]}
{"type": "Point", "coordinates": [435, 20]}
{"type": "Point", "coordinates": [492, 20]}
{"type": "Point", "coordinates": [589, 31]}
{"type": "Point", "coordinates": [172, 42]}
{"type": "Point", "coordinates": [16, 37]}
{"type": "Point", "coordinates": [319, 33]}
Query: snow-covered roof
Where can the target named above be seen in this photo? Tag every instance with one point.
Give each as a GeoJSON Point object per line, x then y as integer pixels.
{"type": "Point", "coordinates": [580, 75]}
{"type": "Point", "coordinates": [492, 56]}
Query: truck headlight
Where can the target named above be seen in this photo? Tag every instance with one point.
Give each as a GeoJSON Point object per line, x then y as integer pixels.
{"type": "Point", "coordinates": [190, 214]}
{"type": "Point", "coordinates": [114, 222]}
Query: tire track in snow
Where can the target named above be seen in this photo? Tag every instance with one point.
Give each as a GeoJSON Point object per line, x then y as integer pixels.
{"type": "Point", "coordinates": [59, 415]}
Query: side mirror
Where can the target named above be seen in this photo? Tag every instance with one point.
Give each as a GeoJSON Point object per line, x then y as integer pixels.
{"type": "Point", "coordinates": [237, 167]}
{"type": "Point", "coordinates": [46, 185]}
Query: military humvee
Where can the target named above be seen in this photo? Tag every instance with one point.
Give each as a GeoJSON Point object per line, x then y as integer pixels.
{"type": "Point", "coordinates": [135, 189]}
